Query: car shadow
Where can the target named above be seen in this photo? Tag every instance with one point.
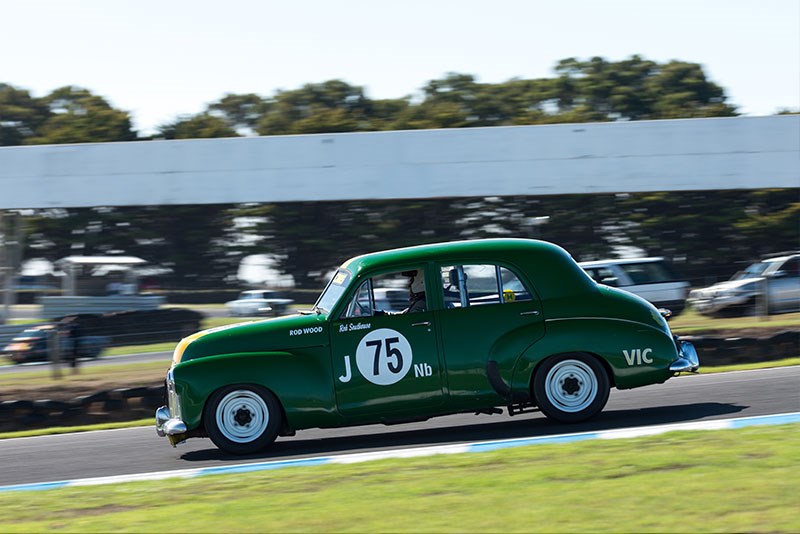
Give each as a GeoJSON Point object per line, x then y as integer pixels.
{"type": "Point", "coordinates": [378, 437]}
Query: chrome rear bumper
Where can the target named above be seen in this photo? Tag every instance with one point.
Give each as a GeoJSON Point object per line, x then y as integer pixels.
{"type": "Point", "coordinates": [173, 428]}
{"type": "Point", "coordinates": [687, 359]}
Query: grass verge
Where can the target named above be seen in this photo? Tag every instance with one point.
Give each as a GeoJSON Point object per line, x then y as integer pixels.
{"type": "Point", "coordinates": [71, 429]}
{"type": "Point", "coordinates": [692, 322]}
{"type": "Point", "coordinates": [786, 362]}
{"type": "Point", "coordinates": [731, 481]}
{"type": "Point", "coordinates": [94, 378]}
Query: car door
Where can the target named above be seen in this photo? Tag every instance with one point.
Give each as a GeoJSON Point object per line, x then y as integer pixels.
{"type": "Point", "coordinates": [784, 287]}
{"type": "Point", "coordinates": [490, 316]}
{"type": "Point", "coordinates": [386, 364]}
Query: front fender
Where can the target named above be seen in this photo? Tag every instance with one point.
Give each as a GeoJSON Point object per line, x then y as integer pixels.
{"type": "Point", "coordinates": [636, 354]}
{"type": "Point", "coordinates": [301, 380]}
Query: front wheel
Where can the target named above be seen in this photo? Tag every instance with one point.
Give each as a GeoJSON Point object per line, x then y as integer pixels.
{"type": "Point", "coordinates": [571, 388]}
{"type": "Point", "coordinates": [242, 419]}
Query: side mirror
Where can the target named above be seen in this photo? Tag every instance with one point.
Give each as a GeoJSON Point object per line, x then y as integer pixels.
{"type": "Point", "coordinates": [778, 274]}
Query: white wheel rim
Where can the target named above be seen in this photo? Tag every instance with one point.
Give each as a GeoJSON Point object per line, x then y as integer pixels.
{"type": "Point", "coordinates": [242, 416]}
{"type": "Point", "coordinates": [571, 386]}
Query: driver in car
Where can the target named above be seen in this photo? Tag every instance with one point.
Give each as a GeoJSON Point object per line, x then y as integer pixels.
{"type": "Point", "coordinates": [416, 291]}
{"type": "Point", "coordinates": [416, 294]}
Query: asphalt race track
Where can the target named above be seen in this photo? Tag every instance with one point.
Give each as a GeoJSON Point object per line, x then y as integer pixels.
{"type": "Point", "coordinates": [140, 450]}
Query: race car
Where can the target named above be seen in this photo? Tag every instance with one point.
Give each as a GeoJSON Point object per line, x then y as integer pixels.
{"type": "Point", "coordinates": [497, 323]}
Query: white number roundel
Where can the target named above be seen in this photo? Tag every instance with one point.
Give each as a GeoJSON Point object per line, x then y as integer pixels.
{"type": "Point", "coordinates": [384, 356]}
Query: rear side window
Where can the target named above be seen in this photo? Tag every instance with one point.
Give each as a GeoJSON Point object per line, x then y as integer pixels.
{"type": "Point", "coordinates": [481, 285]}
{"type": "Point", "coordinates": [791, 267]}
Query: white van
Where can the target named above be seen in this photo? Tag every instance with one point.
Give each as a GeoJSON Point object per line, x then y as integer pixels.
{"type": "Point", "coordinates": [650, 278]}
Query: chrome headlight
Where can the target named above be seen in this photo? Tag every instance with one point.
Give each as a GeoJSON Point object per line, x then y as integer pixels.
{"type": "Point", "coordinates": [173, 400]}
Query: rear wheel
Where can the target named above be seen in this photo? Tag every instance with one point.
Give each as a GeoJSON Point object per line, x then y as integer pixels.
{"type": "Point", "coordinates": [571, 388]}
{"type": "Point", "coordinates": [242, 419]}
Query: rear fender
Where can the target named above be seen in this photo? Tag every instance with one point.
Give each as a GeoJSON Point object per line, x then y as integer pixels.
{"type": "Point", "coordinates": [635, 354]}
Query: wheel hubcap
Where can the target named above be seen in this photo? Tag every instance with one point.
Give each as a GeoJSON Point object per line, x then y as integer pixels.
{"type": "Point", "coordinates": [242, 416]}
{"type": "Point", "coordinates": [571, 385]}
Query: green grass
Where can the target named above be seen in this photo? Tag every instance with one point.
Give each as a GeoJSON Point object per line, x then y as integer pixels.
{"type": "Point", "coordinates": [726, 481]}
{"type": "Point", "coordinates": [95, 378]}
{"type": "Point", "coordinates": [24, 321]}
{"type": "Point", "coordinates": [71, 429]}
{"type": "Point", "coordinates": [749, 366]}
{"type": "Point", "coordinates": [690, 321]}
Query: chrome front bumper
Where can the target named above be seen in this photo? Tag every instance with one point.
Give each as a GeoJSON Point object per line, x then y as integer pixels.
{"type": "Point", "coordinates": [173, 428]}
{"type": "Point", "coordinates": [687, 359]}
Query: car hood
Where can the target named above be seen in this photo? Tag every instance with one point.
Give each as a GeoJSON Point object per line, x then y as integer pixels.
{"type": "Point", "coordinates": [271, 335]}
{"type": "Point", "coordinates": [723, 287]}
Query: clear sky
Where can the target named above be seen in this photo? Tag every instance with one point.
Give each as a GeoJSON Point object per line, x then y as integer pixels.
{"type": "Point", "coordinates": [158, 59]}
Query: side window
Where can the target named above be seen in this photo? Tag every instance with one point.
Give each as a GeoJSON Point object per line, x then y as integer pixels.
{"type": "Point", "coordinates": [361, 305]}
{"type": "Point", "coordinates": [791, 267]}
{"type": "Point", "coordinates": [389, 294]}
{"type": "Point", "coordinates": [481, 285]}
{"type": "Point", "coordinates": [451, 287]}
{"type": "Point", "coordinates": [647, 273]}
{"type": "Point", "coordinates": [513, 288]}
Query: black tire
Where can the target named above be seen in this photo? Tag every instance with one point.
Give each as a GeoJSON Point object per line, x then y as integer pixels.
{"type": "Point", "coordinates": [571, 388]}
{"type": "Point", "coordinates": [243, 418]}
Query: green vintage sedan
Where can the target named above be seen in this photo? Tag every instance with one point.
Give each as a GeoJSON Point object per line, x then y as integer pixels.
{"type": "Point", "coordinates": [493, 323]}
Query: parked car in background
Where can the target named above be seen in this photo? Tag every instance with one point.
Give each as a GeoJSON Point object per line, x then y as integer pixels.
{"type": "Point", "coordinates": [259, 302]}
{"type": "Point", "coordinates": [653, 279]}
{"type": "Point", "coordinates": [776, 277]}
{"type": "Point", "coordinates": [507, 323]}
{"type": "Point", "coordinates": [30, 345]}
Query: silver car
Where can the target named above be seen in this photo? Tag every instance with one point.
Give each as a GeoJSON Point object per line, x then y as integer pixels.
{"type": "Point", "coordinates": [651, 278]}
{"type": "Point", "coordinates": [778, 278]}
{"type": "Point", "coordinates": [258, 302]}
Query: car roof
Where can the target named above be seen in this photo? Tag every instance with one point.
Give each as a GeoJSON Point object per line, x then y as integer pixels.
{"type": "Point", "coordinates": [778, 258]}
{"type": "Point", "coordinates": [545, 261]}
{"type": "Point", "coordinates": [622, 261]}
{"type": "Point", "coordinates": [437, 251]}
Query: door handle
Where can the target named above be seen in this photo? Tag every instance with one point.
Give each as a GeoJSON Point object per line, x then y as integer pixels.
{"type": "Point", "coordinates": [423, 323]}
{"type": "Point", "coordinates": [532, 312]}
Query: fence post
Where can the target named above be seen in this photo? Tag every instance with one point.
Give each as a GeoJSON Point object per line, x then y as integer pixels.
{"type": "Point", "coordinates": [762, 299]}
{"type": "Point", "coordinates": [54, 352]}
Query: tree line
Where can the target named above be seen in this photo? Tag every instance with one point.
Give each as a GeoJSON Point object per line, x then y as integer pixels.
{"type": "Point", "coordinates": [708, 235]}
{"type": "Point", "coordinates": [580, 91]}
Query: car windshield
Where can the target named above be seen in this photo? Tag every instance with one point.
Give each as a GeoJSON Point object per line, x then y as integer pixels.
{"type": "Point", "coordinates": [328, 299]}
{"type": "Point", "coordinates": [753, 271]}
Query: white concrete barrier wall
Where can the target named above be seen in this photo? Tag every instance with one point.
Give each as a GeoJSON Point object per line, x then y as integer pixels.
{"type": "Point", "coordinates": [670, 155]}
